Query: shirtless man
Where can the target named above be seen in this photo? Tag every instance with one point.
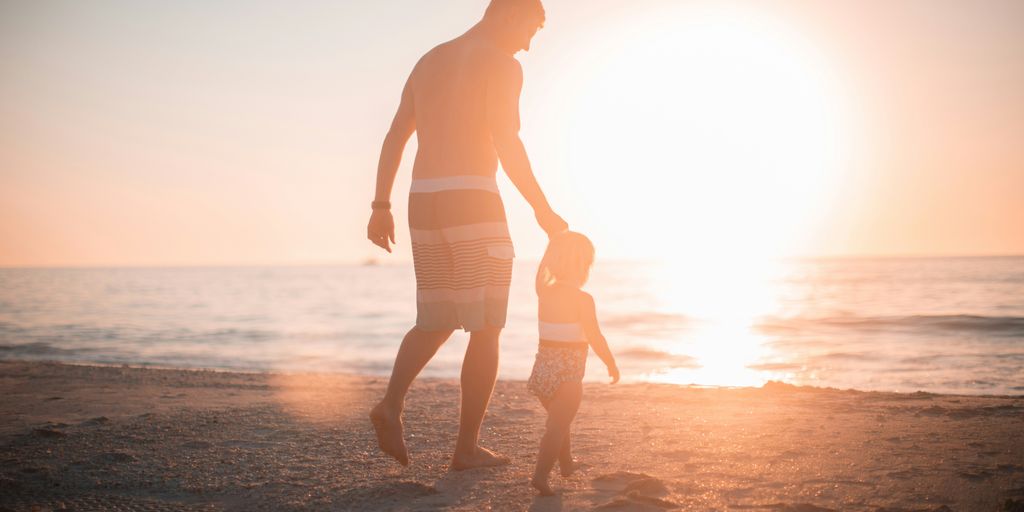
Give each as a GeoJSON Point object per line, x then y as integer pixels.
{"type": "Point", "coordinates": [462, 100]}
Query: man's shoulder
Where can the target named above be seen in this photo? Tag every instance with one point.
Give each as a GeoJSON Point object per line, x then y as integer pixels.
{"type": "Point", "coordinates": [432, 54]}
{"type": "Point", "coordinates": [474, 52]}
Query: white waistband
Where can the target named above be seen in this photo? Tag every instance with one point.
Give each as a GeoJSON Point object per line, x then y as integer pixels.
{"type": "Point", "coordinates": [559, 331]}
{"type": "Point", "coordinates": [464, 233]}
{"type": "Point", "coordinates": [428, 185]}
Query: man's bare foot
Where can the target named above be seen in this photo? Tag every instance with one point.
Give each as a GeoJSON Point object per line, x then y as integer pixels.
{"type": "Point", "coordinates": [542, 487]}
{"type": "Point", "coordinates": [568, 468]}
{"type": "Point", "coordinates": [482, 458]}
{"type": "Point", "coordinates": [388, 427]}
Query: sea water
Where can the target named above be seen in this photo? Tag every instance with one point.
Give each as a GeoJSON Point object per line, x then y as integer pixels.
{"type": "Point", "coordinates": [950, 325]}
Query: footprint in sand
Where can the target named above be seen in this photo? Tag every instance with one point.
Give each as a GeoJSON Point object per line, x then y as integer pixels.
{"type": "Point", "coordinates": [618, 480]}
{"type": "Point", "coordinates": [110, 458]}
{"type": "Point", "coordinates": [975, 476]}
{"type": "Point", "coordinates": [197, 445]}
{"type": "Point", "coordinates": [95, 422]}
{"type": "Point", "coordinates": [48, 433]}
{"type": "Point", "coordinates": [650, 487]}
{"type": "Point", "coordinates": [634, 492]}
{"type": "Point", "coordinates": [636, 503]}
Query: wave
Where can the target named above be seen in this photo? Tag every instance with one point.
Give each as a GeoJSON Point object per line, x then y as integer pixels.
{"type": "Point", "coordinates": [995, 325]}
{"type": "Point", "coordinates": [649, 354]}
{"type": "Point", "coordinates": [649, 319]}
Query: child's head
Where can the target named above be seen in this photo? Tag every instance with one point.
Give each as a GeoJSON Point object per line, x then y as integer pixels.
{"type": "Point", "coordinates": [567, 261]}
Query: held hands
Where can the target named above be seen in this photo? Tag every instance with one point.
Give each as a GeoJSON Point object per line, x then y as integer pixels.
{"type": "Point", "coordinates": [381, 229]}
{"type": "Point", "coordinates": [550, 222]}
{"type": "Point", "coordinates": [613, 372]}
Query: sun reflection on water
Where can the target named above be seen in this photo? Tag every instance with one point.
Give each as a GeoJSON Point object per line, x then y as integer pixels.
{"type": "Point", "coordinates": [724, 301]}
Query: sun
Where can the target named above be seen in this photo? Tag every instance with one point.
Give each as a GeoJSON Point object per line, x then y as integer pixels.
{"type": "Point", "coordinates": [714, 139]}
{"type": "Point", "coordinates": [710, 134]}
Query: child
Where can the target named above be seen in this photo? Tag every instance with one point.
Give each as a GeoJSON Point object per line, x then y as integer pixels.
{"type": "Point", "coordinates": [568, 327]}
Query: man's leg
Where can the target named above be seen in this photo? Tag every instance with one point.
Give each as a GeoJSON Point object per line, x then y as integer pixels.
{"type": "Point", "coordinates": [479, 372]}
{"type": "Point", "coordinates": [418, 347]}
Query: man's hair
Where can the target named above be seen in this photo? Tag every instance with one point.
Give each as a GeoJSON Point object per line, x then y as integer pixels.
{"type": "Point", "coordinates": [532, 6]}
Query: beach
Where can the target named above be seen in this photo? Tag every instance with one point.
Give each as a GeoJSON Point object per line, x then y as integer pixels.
{"type": "Point", "coordinates": [122, 438]}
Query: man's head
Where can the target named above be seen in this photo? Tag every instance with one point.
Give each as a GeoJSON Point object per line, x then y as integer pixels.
{"type": "Point", "coordinates": [517, 21]}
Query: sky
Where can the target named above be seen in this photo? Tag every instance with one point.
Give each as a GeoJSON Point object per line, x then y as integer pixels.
{"type": "Point", "coordinates": [221, 132]}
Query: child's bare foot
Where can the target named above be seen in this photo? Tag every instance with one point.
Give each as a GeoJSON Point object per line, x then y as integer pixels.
{"type": "Point", "coordinates": [482, 458]}
{"type": "Point", "coordinates": [568, 468]}
{"type": "Point", "coordinates": [388, 426]}
{"type": "Point", "coordinates": [542, 487]}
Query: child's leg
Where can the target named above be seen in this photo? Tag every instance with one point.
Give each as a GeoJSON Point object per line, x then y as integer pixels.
{"type": "Point", "coordinates": [565, 462]}
{"type": "Point", "coordinates": [561, 412]}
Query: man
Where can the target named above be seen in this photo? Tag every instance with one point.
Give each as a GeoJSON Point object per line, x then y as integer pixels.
{"type": "Point", "coordinates": [462, 100]}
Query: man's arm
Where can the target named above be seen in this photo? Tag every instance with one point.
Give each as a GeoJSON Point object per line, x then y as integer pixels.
{"type": "Point", "coordinates": [503, 119]}
{"type": "Point", "coordinates": [381, 228]}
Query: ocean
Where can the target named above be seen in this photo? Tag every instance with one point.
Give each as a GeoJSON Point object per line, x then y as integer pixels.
{"type": "Point", "coordinates": [944, 325]}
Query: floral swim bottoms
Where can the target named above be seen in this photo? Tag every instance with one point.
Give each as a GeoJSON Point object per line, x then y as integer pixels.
{"type": "Point", "coordinates": [555, 366]}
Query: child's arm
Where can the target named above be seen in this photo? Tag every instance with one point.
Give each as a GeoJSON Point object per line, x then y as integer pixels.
{"type": "Point", "coordinates": [588, 317]}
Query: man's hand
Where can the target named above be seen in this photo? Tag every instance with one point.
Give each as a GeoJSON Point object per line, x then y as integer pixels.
{"type": "Point", "coordinates": [551, 223]}
{"type": "Point", "coordinates": [381, 229]}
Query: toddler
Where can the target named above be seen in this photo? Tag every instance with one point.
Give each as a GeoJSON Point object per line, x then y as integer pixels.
{"type": "Point", "coordinates": [568, 329]}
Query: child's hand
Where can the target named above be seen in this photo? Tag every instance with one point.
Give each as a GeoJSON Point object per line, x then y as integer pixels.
{"type": "Point", "coordinates": [613, 372]}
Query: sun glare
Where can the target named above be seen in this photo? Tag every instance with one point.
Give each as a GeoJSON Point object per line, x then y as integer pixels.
{"type": "Point", "coordinates": [723, 306]}
{"type": "Point", "coordinates": [715, 134]}
{"type": "Point", "coordinates": [713, 141]}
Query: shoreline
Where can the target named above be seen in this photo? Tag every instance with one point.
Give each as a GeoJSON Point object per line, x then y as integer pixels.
{"type": "Point", "coordinates": [90, 437]}
{"type": "Point", "coordinates": [341, 374]}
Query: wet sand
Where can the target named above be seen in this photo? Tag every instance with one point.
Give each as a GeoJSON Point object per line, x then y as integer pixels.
{"type": "Point", "coordinates": [110, 438]}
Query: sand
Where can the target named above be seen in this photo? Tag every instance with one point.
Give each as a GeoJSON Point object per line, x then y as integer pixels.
{"type": "Point", "coordinates": [112, 438]}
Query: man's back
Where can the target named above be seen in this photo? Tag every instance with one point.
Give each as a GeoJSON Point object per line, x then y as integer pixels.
{"type": "Point", "coordinates": [450, 87]}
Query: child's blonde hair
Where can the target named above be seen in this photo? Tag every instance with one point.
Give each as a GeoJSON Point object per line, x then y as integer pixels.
{"type": "Point", "coordinates": [567, 260]}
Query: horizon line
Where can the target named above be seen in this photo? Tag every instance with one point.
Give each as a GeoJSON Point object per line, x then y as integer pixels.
{"type": "Point", "coordinates": [374, 261]}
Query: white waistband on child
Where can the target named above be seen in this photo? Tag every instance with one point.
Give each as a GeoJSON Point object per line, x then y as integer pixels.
{"type": "Point", "coordinates": [429, 185]}
{"type": "Point", "coordinates": [570, 332]}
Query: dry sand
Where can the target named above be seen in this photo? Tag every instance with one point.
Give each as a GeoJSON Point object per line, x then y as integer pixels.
{"type": "Point", "coordinates": [107, 438]}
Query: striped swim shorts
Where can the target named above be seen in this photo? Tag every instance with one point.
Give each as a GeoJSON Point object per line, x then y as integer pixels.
{"type": "Point", "coordinates": [462, 253]}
